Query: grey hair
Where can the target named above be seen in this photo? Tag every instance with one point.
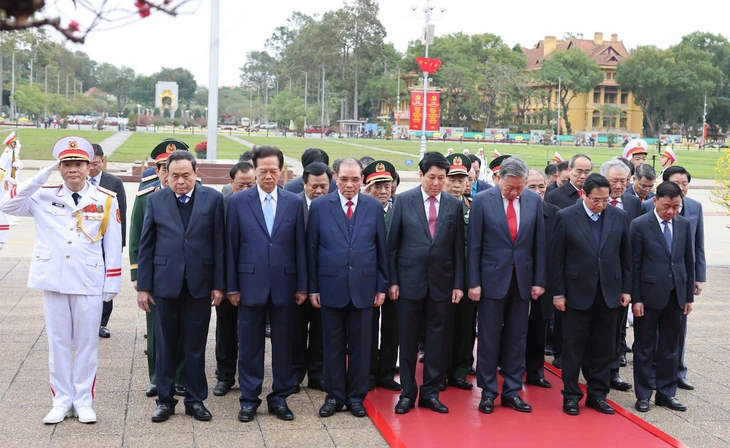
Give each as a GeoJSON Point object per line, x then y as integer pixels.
{"type": "Point", "coordinates": [617, 163]}
{"type": "Point", "coordinates": [348, 161]}
{"type": "Point", "coordinates": [645, 171]}
{"type": "Point", "coordinates": [532, 170]}
{"type": "Point", "coordinates": [578, 156]}
{"type": "Point", "coordinates": [179, 154]}
{"type": "Point", "coordinates": [514, 167]}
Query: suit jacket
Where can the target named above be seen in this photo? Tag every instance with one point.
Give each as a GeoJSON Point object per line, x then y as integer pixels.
{"type": "Point", "coordinates": [482, 186]}
{"type": "Point", "coordinates": [580, 265]}
{"type": "Point", "coordinates": [563, 197]}
{"type": "Point", "coordinates": [168, 253]}
{"type": "Point", "coordinates": [115, 184]}
{"type": "Point", "coordinates": [259, 265]}
{"type": "Point", "coordinates": [550, 214]}
{"type": "Point", "coordinates": [691, 210]}
{"type": "Point", "coordinates": [419, 263]}
{"type": "Point", "coordinates": [303, 195]}
{"type": "Point", "coordinates": [632, 206]}
{"type": "Point", "coordinates": [551, 187]}
{"type": "Point", "coordinates": [296, 185]}
{"type": "Point", "coordinates": [492, 256]}
{"type": "Point", "coordinates": [344, 268]}
{"type": "Point", "coordinates": [656, 270]}
{"type": "Point", "coordinates": [630, 190]}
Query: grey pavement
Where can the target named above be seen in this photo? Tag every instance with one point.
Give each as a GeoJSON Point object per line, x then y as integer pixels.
{"type": "Point", "coordinates": [295, 164]}
{"type": "Point", "coordinates": [114, 141]}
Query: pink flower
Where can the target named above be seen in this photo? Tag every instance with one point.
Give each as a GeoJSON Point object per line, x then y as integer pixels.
{"type": "Point", "coordinates": [143, 7]}
{"type": "Point", "coordinates": [73, 26]}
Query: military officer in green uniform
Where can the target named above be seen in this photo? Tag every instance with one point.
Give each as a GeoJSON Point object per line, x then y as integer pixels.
{"type": "Point", "coordinates": [378, 180]}
{"type": "Point", "coordinates": [463, 326]}
{"type": "Point", "coordinates": [159, 154]}
{"type": "Point", "coordinates": [150, 176]}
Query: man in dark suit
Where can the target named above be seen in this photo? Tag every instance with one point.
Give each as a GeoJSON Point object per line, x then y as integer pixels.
{"type": "Point", "coordinates": [563, 175]}
{"type": "Point", "coordinates": [507, 266]}
{"type": "Point", "coordinates": [541, 311]}
{"type": "Point", "coordinates": [692, 210]}
{"type": "Point", "coordinates": [266, 264]}
{"type": "Point", "coordinates": [663, 292]}
{"type": "Point", "coordinates": [227, 189]}
{"type": "Point", "coordinates": [100, 178]}
{"type": "Point", "coordinates": [348, 275]}
{"type": "Point", "coordinates": [479, 185]}
{"type": "Point", "coordinates": [242, 177]}
{"type": "Point", "coordinates": [426, 266]}
{"type": "Point", "coordinates": [309, 155]}
{"type": "Point", "coordinates": [618, 173]}
{"type": "Point", "coordinates": [591, 255]}
{"type": "Point", "coordinates": [644, 180]}
{"type": "Point", "coordinates": [307, 354]}
{"type": "Point", "coordinates": [183, 222]}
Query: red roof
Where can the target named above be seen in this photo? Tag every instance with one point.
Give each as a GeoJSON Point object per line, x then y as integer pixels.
{"type": "Point", "coordinates": [608, 53]}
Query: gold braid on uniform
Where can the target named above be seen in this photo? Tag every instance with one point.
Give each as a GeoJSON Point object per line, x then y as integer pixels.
{"type": "Point", "coordinates": [104, 222]}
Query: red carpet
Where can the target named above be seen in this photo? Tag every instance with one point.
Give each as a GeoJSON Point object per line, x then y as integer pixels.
{"type": "Point", "coordinates": [546, 426]}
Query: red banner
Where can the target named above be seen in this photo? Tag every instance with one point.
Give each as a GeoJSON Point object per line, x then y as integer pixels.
{"type": "Point", "coordinates": [429, 65]}
{"type": "Point", "coordinates": [416, 111]}
{"type": "Point", "coordinates": [433, 111]}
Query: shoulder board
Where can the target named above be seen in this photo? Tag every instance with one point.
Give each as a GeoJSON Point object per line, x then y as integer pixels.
{"type": "Point", "coordinates": [149, 178]}
{"type": "Point", "coordinates": [147, 190]}
{"type": "Point", "coordinates": [53, 186]}
{"type": "Point", "coordinates": [104, 190]}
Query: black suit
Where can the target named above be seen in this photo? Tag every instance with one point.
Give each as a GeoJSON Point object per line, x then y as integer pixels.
{"type": "Point", "coordinates": [296, 185]}
{"type": "Point", "coordinates": [664, 282]}
{"type": "Point", "coordinates": [563, 197]}
{"type": "Point", "coordinates": [427, 270]}
{"type": "Point", "coordinates": [115, 184]}
{"type": "Point", "coordinates": [592, 262]}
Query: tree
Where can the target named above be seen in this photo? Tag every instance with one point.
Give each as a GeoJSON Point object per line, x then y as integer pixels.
{"type": "Point", "coordinates": [577, 74]}
{"type": "Point", "coordinates": [116, 81]}
{"type": "Point", "coordinates": [142, 90]}
{"type": "Point", "coordinates": [496, 83]}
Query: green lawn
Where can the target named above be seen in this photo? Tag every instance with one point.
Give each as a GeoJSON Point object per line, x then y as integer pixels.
{"type": "Point", "coordinates": [38, 143]}
{"type": "Point", "coordinates": [140, 144]}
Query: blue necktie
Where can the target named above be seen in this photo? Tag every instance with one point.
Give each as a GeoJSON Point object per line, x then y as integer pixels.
{"type": "Point", "coordinates": [92, 180]}
{"type": "Point", "coordinates": [183, 199]}
{"type": "Point", "coordinates": [269, 213]}
{"type": "Point", "coordinates": [667, 235]}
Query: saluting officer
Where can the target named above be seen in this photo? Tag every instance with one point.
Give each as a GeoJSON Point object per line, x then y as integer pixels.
{"type": "Point", "coordinates": [77, 263]}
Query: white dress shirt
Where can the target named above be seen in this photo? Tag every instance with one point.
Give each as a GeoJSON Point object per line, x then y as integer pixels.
{"type": "Point", "coordinates": [307, 201]}
{"type": "Point", "coordinates": [189, 194]}
{"type": "Point", "coordinates": [274, 198]}
{"type": "Point", "coordinates": [516, 205]}
{"type": "Point", "coordinates": [344, 200]}
{"type": "Point", "coordinates": [427, 203]}
{"type": "Point", "coordinates": [661, 226]}
{"type": "Point", "coordinates": [97, 178]}
{"type": "Point", "coordinates": [620, 203]}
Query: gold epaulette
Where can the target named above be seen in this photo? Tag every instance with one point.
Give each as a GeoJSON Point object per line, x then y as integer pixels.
{"type": "Point", "coordinates": [149, 178]}
{"type": "Point", "coordinates": [104, 190]}
{"type": "Point", "coordinates": [146, 190]}
{"type": "Point", "coordinates": [53, 186]}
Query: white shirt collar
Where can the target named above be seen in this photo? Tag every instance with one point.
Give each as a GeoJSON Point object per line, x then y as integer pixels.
{"type": "Point", "coordinates": [97, 178]}
{"type": "Point", "coordinates": [84, 191]}
{"type": "Point", "coordinates": [505, 199]}
{"type": "Point", "coordinates": [189, 194]}
{"type": "Point", "coordinates": [426, 196]}
{"type": "Point", "coordinates": [343, 200]}
{"type": "Point", "coordinates": [589, 211]}
{"type": "Point", "coordinates": [618, 199]}
{"type": "Point", "coordinates": [309, 201]}
{"type": "Point", "coordinates": [660, 220]}
{"type": "Point", "coordinates": [262, 194]}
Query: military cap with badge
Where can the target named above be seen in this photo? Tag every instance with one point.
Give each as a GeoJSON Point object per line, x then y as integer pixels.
{"type": "Point", "coordinates": [379, 171]}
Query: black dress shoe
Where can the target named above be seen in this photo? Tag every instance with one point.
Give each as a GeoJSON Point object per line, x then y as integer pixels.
{"type": "Point", "coordinates": [389, 383]}
{"type": "Point", "coordinates": [104, 333]}
{"type": "Point", "coordinates": [315, 385]}
{"type": "Point", "coordinates": [601, 406]}
{"type": "Point", "coordinates": [642, 405]}
{"type": "Point", "coordinates": [619, 384]}
{"type": "Point", "coordinates": [267, 331]}
{"type": "Point", "coordinates": [540, 382]}
{"type": "Point", "coordinates": [472, 371]}
{"type": "Point", "coordinates": [442, 385]}
{"type": "Point", "coordinates": [558, 362]}
{"type": "Point", "coordinates": [329, 408]}
{"type": "Point", "coordinates": [404, 406]}
{"type": "Point", "coordinates": [162, 413]}
{"type": "Point", "coordinates": [570, 406]}
{"type": "Point", "coordinates": [516, 403]}
{"type": "Point", "coordinates": [460, 384]}
{"type": "Point", "coordinates": [179, 390]}
{"type": "Point", "coordinates": [145, 352]}
{"type": "Point", "coordinates": [670, 402]}
{"type": "Point", "coordinates": [358, 410]}
{"type": "Point", "coordinates": [548, 351]}
{"type": "Point", "coordinates": [371, 384]}
{"type": "Point", "coordinates": [433, 404]}
{"type": "Point", "coordinates": [296, 389]}
{"type": "Point", "coordinates": [622, 361]}
{"type": "Point", "coordinates": [151, 391]}
{"type": "Point", "coordinates": [486, 406]}
{"type": "Point", "coordinates": [282, 413]}
{"type": "Point", "coordinates": [684, 383]}
{"type": "Point", "coordinates": [222, 388]}
{"type": "Point", "coordinates": [199, 412]}
{"type": "Point", "coordinates": [247, 414]}
{"type": "Point", "coordinates": [145, 335]}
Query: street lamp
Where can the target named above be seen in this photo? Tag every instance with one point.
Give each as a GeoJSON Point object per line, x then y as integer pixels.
{"type": "Point", "coordinates": [58, 82]}
{"type": "Point", "coordinates": [321, 129]}
{"type": "Point", "coordinates": [12, 89]}
{"type": "Point", "coordinates": [139, 106]}
{"type": "Point", "coordinates": [45, 100]}
{"type": "Point", "coordinates": [70, 74]}
{"type": "Point", "coordinates": [289, 83]}
{"type": "Point", "coordinates": [305, 99]}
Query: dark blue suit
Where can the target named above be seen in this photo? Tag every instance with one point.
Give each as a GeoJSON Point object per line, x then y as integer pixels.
{"type": "Point", "coordinates": [296, 185]}
{"type": "Point", "coordinates": [267, 271]}
{"type": "Point", "coordinates": [348, 265]}
{"type": "Point", "coordinates": [181, 261]}
{"type": "Point", "coordinates": [506, 272]}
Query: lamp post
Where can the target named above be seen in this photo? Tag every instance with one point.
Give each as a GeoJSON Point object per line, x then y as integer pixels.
{"type": "Point", "coordinates": [12, 89]}
{"type": "Point", "coordinates": [560, 87]}
{"type": "Point", "coordinates": [58, 82]}
{"type": "Point", "coordinates": [45, 100]}
{"type": "Point", "coordinates": [321, 123]}
{"type": "Point", "coordinates": [289, 83]}
{"type": "Point", "coordinates": [397, 110]}
{"type": "Point", "coordinates": [70, 74]}
{"type": "Point", "coordinates": [139, 106]}
{"type": "Point", "coordinates": [30, 77]}
{"type": "Point", "coordinates": [305, 100]}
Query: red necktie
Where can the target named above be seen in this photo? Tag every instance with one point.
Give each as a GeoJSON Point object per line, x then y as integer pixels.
{"type": "Point", "coordinates": [512, 219]}
{"type": "Point", "coordinates": [614, 202]}
{"type": "Point", "coordinates": [432, 216]}
{"type": "Point", "coordinates": [349, 210]}
{"type": "Point", "coordinates": [580, 193]}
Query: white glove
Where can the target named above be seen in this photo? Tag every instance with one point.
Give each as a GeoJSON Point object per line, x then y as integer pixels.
{"type": "Point", "coordinates": [18, 165]}
{"type": "Point", "coordinates": [44, 174]}
{"type": "Point", "coordinates": [109, 296]}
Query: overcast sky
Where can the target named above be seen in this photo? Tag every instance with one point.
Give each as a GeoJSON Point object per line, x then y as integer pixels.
{"type": "Point", "coordinates": [183, 41]}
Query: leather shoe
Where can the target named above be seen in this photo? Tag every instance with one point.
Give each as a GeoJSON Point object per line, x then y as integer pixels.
{"type": "Point", "coordinates": [433, 404]}
{"type": "Point", "coordinates": [442, 385]}
{"type": "Point", "coordinates": [558, 362]}
{"type": "Point", "coordinates": [516, 403]}
{"type": "Point", "coordinates": [329, 408]}
{"type": "Point", "coordinates": [247, 414]}
{"type": "Point", "coordinates": [104, 333]}
{"type": "Point", "coordinates": [358, 410]}
{"type": "Point", "coordinates": [619, 384]}
{"type": "Point", "coordinates": [151, 391]}
{"type": "Point", "coordinates": [622, 361]}
{"type": "Point", "coordinates": [670, 402]}
{"type": "Point", "coordinates": [404, 406]}
{"type": "Point", "coordinates": [684, 383]}
{"type": "Point", "coordinates": [601, 406]}
{"type": "Point", "coordinates": [540, 382]}
{"type": "Point", "coordinates": [315, 385]}
{"type": "Point", "coordinates": [642, 405]}
{"type": "Point", "coordinates": [199, 412]}
{"type": "Point", "coordinates": [570, 406]}
{"type": "Point", "coordinates": [162, 413]}
{"type": "Point", "coordinates": [222, 388]}
{"type": "Point", "coordinates": [58, 414]}
{"type": "Point", "coordinates": [486, 406]}
{"type": "Point", "coordinates": [472, 371]}
{"type": "Point", "coordinates": [179, 390]}
{"type": "Point", "coordinates": [460, 384]}
{"type": "Point", "coordinates": [85, 414]}
{"type": "Point", "coordinates": [389, 383]}
{"type": "Point", "coordinates": [282, 412]}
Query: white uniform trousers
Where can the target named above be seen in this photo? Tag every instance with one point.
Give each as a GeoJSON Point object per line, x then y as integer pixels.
{"type": "Point", "coordinates": [72, 323]}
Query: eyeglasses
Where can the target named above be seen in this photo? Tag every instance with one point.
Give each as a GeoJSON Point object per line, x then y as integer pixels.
{"type": "Point", "coordinates": [599, 200]}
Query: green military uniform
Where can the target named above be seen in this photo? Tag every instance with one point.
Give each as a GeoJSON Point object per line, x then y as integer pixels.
{"type": "Point", "coordinates": [151, 178]}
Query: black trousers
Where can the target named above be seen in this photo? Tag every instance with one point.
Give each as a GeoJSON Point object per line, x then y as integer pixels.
{"type": "Point", "coordinates": [623, 314]}
{"type": "Point", "coordinates": [226, 341]}
{"type": "Point", "coordinates": [464, 333]}
{"type": "Point", "coordinates": [106, 311]}
{"type": "Point", "coordinates": [537, 325]}
{"type": "Point", "coordinates": [191, 317]}
{"type": "Point", "coordinates": [411, 319]}
{"type": "Point", "coordinates": [656, 337]}
{"type": "Point", "coordinates": [384, 341]}
{"type": "Point", "coordinates": [557, 335]}
{"type": "Point", "coordinates": [307, 352]}
{"type": "Point", "coordinates": [595, 327]}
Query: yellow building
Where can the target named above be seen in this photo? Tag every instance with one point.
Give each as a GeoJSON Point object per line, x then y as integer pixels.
{"type": "Point", "coordinates": [607, 108]}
